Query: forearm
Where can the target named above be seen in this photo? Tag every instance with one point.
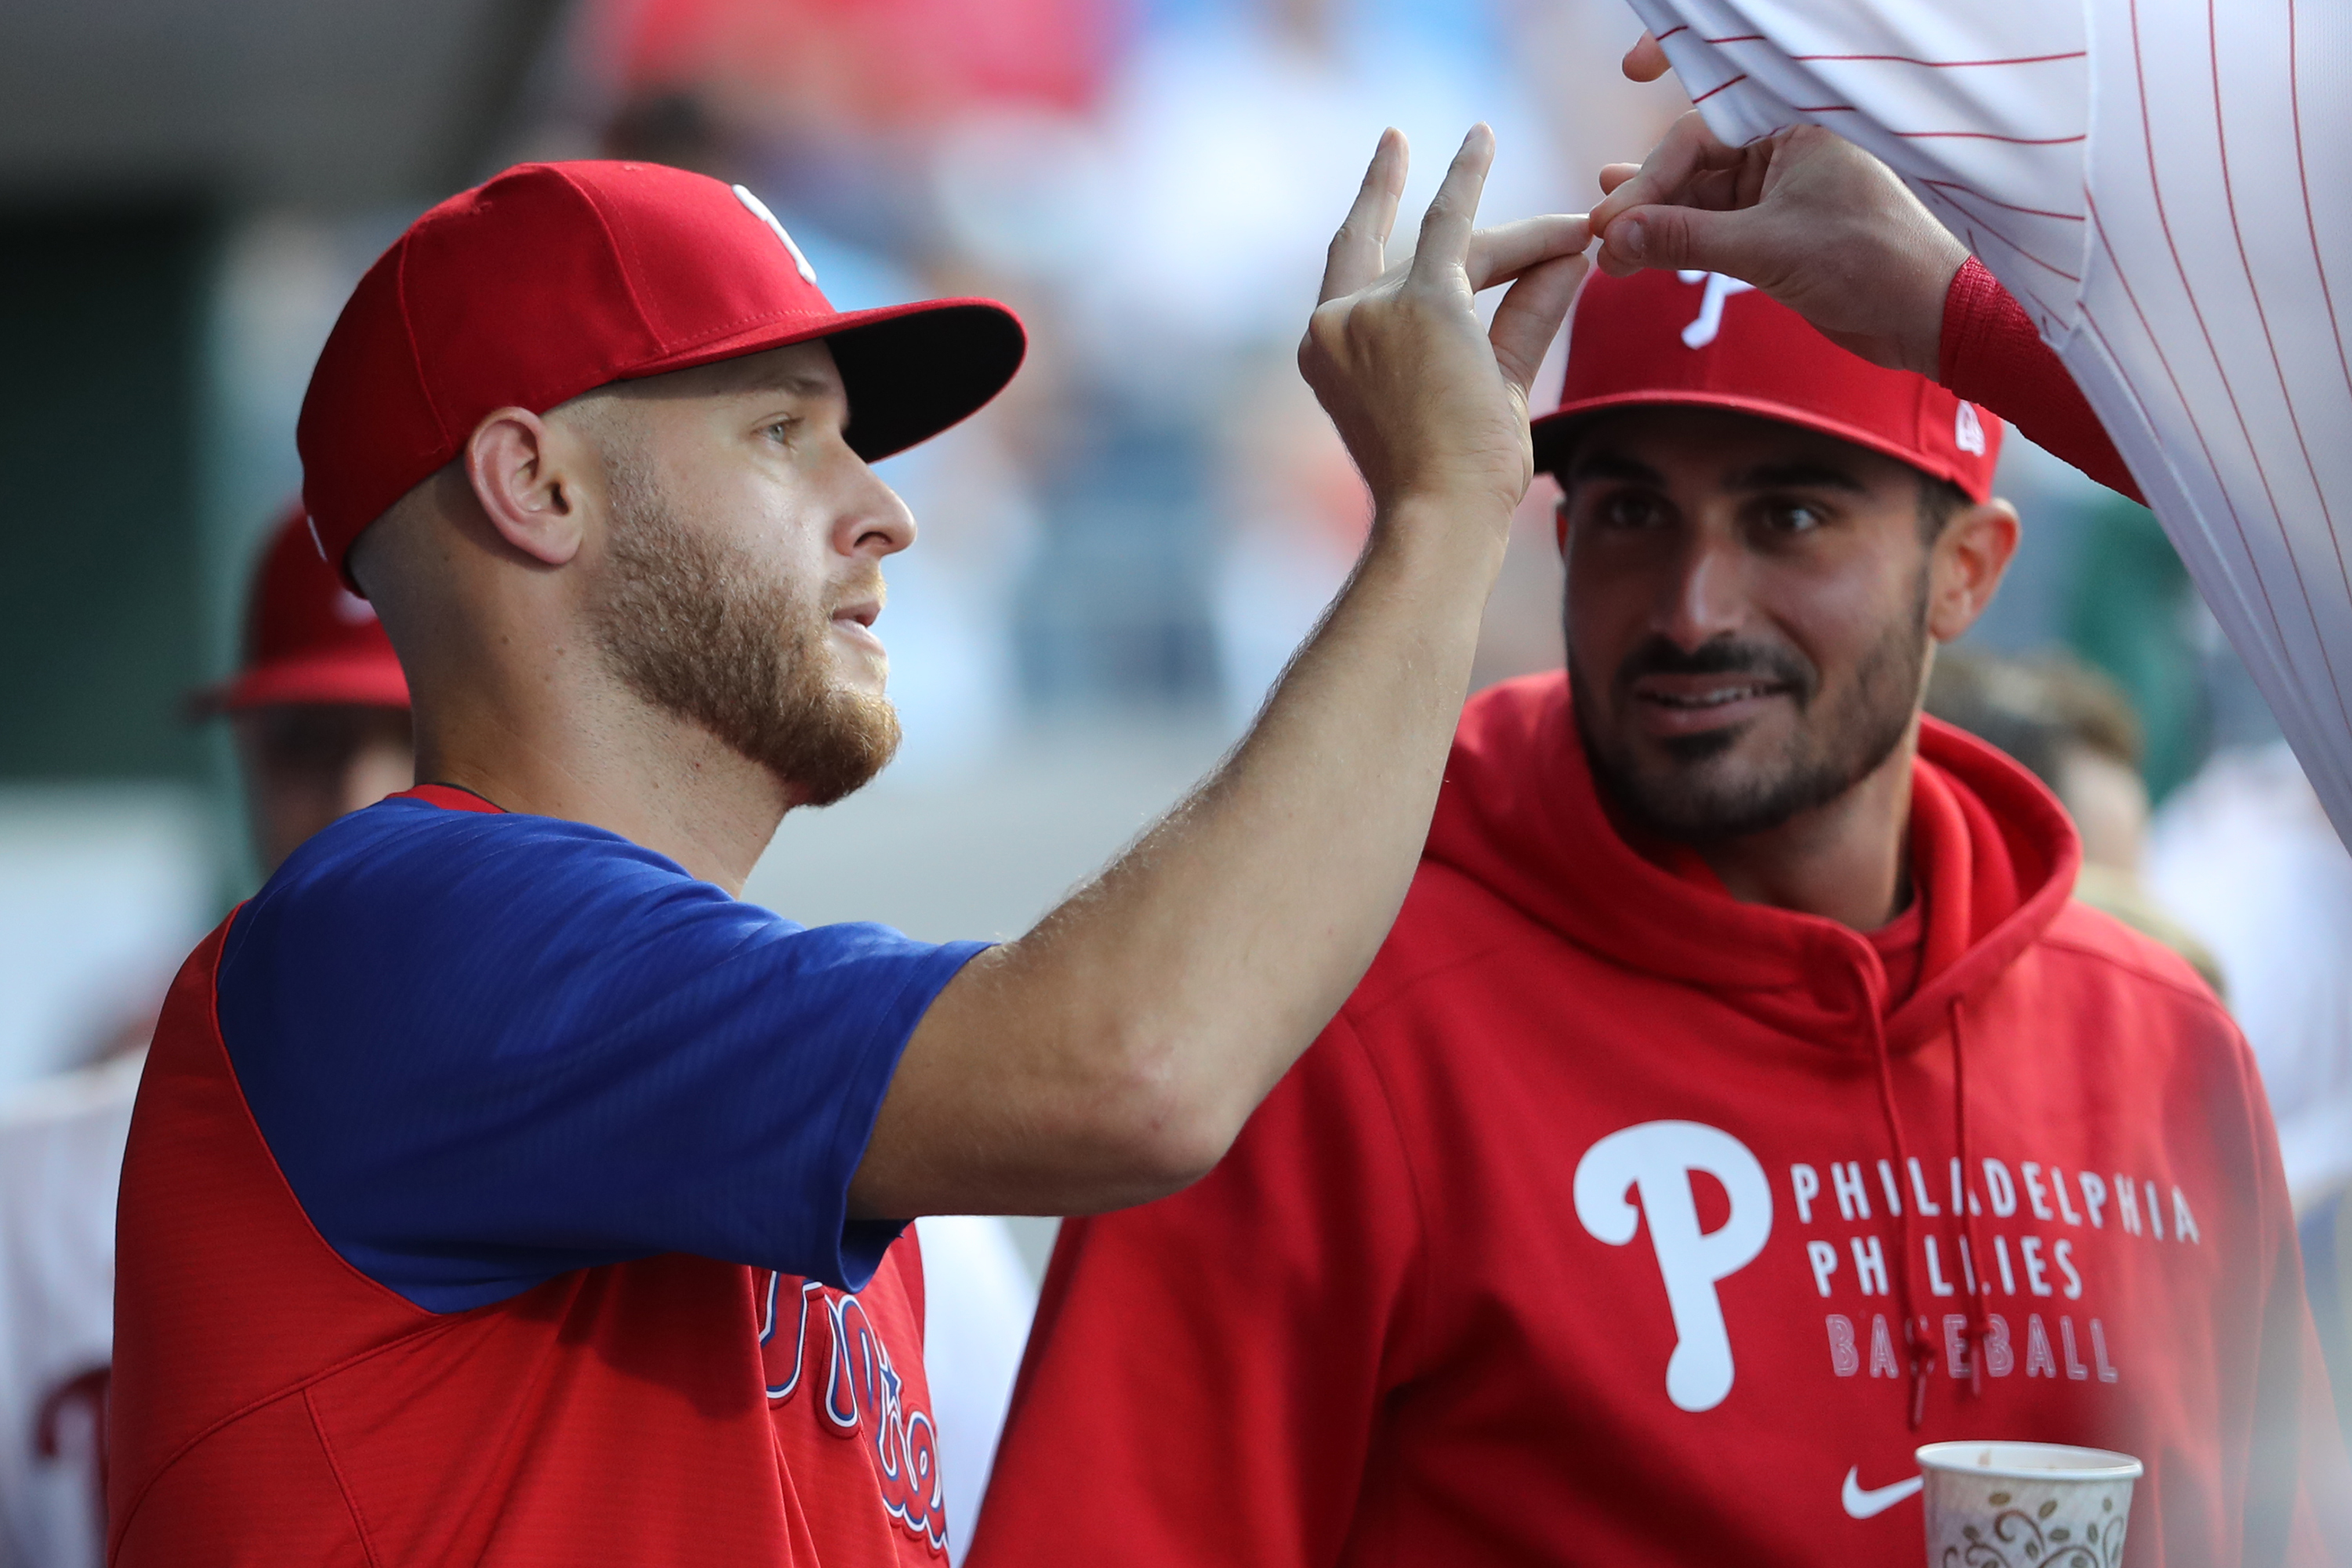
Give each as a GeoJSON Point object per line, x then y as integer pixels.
{"type": "Point", "coordinates": [1111, 1055]}
{"type": "Point", "coordinates": [1130, 1034]}
{"type": "Point", "coordinates": [1990, 353]}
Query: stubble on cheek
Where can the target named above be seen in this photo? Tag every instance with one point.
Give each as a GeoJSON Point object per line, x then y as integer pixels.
{"type": "Point", "coordinates": [699, 631]}
{"type": "Point", "coordinates": [1751, 777]}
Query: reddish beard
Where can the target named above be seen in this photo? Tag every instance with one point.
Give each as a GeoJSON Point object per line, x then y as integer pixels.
{"type": "Point", "coordinates": [694, 628]}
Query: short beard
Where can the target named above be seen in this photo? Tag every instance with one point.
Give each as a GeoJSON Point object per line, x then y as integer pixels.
{"type": "Point", "coordinates": [693, 629]}
{"type": "Point", "coordinates": [1830, 751]}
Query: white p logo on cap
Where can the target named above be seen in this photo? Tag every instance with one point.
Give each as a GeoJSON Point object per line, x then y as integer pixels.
{"type": "Point", "coordinates": [1967, 430]}
{"type": "Point", "coordinates": [758, 209]}
{"type": "Point", "coordinates": [1702, 332]}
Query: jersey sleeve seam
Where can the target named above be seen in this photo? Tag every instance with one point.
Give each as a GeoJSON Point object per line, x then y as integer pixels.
{"type": "Point", "coordinates": [300, 1387]}
{"type": "Point", "coordinates": [335, 1469]}
{"type": "Point", "coordinates": [879, 1058]}
{"type": "Point", "coordinates": [277, 1172]}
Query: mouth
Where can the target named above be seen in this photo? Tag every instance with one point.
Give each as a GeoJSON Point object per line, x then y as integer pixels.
{"type": "Point", "coordinates": [1688, 704]}
{"type": "Point", "coordinates": [855, 622]}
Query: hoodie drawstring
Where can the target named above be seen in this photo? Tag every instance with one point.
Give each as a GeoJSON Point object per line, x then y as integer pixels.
{"type": "Point", "coordinates": [1971, 1233]}
{"type": "Point", "coordinates": [1914, 1340]}
{"type": "Point", "coordinates": [1916, 1336]}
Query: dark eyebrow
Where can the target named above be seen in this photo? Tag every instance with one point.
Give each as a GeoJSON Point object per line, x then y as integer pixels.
{"type": "Point", "coordinates": [1605, 464]}
{"type": "Point", "coordinates": [1797, 477]}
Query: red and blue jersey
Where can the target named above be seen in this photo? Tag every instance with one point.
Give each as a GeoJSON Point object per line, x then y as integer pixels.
{"type": "Point", "coordinates": [486, 1201]}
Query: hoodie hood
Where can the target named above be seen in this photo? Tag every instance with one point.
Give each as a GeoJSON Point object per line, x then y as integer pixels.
{"type": "Point", "coordinates": [1993, 862]}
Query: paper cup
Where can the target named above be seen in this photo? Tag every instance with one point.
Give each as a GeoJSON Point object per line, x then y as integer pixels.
{"type": "Point", "coordinates": [2025, 1505]}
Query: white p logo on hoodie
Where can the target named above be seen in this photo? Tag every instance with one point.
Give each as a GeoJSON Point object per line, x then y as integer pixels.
{"type": "Point", "coordinates": [1656, 1158]}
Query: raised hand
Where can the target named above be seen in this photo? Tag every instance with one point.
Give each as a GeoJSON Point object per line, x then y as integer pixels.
{"type": "Point", "coordinates": [1805, 216]}
{"type": "Point", "coordinates": [1430, 406]}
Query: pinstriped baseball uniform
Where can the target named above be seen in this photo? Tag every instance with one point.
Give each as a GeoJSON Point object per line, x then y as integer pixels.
{"type": "Point", "coordinates": [2166, 186]}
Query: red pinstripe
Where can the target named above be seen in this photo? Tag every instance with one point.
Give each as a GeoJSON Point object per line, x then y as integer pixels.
{"type": "Point", "coordinates": [1947, 65]}
{"type": "Point", "coordinates": [2048, 312]}
{"type": "Point", "coordinates": [1986, 136]}
{"type": "Point", "coordinates": [1710, 92]}
{"type": "Point", "coordinates": [2303, 177]}
{"type": "Point", "coordinates": [2164, 221]}
{"type": "Point", "coordinates": [2005, 239]}
{"type": "Point", "coordinates": [1891, 59]}
{"type": "Point", "coordinates": [2262, 313]}
{"type": "Point", "coordinates": [2005, 206]}
{"type": "Point", "coordinates": [2131, 296]}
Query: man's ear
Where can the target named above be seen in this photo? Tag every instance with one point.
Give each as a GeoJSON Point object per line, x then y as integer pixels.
{"type": "Point", "coordinates": [1966, 565]}
{"type": "Point", "coordinates": [527, 476]}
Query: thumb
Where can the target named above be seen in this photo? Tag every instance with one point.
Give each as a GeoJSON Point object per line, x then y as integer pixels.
{"type": "Point", "coordinates": [1687, 239]}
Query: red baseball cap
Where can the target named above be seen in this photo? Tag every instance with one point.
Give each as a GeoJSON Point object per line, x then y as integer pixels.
{"type": "Point", "coordinates": [307, 638]}
{"type": "Point", "coordinates": [1701, 338]}
{"type": "Point", "coordinates": [554, 279]}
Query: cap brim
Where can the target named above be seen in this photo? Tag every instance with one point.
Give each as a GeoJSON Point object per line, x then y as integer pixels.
{"type": "Point", "coordinates": [1555, 434]}
{"type": "Point", "coordinates": [367, 682]}
{"type": "Point", "coordinates": [911, 371]}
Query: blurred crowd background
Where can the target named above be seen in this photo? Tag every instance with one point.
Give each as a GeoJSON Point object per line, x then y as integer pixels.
{"type": "Point", "coordinates": [1115, 559]}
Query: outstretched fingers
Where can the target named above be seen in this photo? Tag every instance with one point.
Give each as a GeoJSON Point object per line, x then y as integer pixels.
{"type": "Point", "coordinates": [1445, 228]}
{"type": "Point", "coordinates": [1359, 251]}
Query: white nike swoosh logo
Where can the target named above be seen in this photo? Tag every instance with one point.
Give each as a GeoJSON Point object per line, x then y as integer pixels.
{"type": "Point", "coordinates": [1870, 1504]}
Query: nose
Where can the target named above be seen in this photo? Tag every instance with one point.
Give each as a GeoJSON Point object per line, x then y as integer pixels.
{"type": "Point", "coordinates": [1705, 597]}
{"type": "Point", "coordinates": [873, 521]}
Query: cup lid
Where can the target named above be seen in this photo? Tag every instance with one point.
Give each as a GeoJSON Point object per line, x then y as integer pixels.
{"type": "Point", "coordinates": [2031, 1461]}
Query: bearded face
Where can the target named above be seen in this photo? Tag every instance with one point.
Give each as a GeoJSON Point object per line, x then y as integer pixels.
{"type": "Point", "coordinates": [1708, 785]}
{"type": "Point", "coordinates": [703, 632]}
{"type": "Point", "coordinates": [1749, 610]}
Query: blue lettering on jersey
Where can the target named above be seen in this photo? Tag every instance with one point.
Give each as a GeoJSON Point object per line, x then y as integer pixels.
{"type": "Point", "coordinates": [864, 1394]}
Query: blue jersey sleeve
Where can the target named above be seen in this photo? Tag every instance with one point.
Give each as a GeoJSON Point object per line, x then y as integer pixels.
{"type": "Point", "coordinates": [486, 1049]}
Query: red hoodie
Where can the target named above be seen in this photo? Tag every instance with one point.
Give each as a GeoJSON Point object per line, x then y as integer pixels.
{"type": "Point", "coordinates": [1584, 1233]}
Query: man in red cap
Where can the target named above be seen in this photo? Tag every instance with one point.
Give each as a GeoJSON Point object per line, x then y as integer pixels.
{"type": "Point", "coordinates": [502, 1189]}
{"type": "Point", "coordinates": [1739, 1101]}
{"type": "Point", "coordinates": [321, 712]}
{"type": "Point", "coordinates": [319, 707]}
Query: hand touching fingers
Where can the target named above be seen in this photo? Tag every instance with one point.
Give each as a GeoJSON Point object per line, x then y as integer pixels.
{"type": "Point", "coordinates": [1615, 175]}
{"type": "Point", "coordinates": [1431, 406]}
{"type": "Point", "coordinates": [1445, 226]}
{"type": "Point", "coordinates": [1810, 219]}
{"type": "Point", "coordinates": [1688, 152]}
{"type": "Point", "coordinates": [1357, 254]}
{"type": "Point", "coordinates": [1741, 243]}
{"type": "Point", "coordinates": [1499, 254]}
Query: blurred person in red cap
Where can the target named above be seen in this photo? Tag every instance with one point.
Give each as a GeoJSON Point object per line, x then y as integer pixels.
{"type": "Point", "coordinates": [319, 707]}
{"type": "Point", "coordinates": [321, 712]}
{"type": "Point", "coordinates": [502, 1188]}
{"type": "Point", "coordinates": [1740, 1101]}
